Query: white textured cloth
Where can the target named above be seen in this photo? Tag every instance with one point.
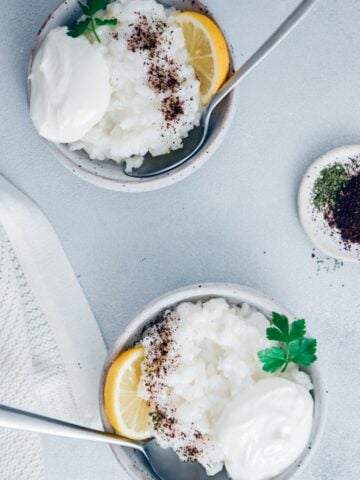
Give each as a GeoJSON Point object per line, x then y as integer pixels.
{"type": "Point", "coordinates": [51, 350]}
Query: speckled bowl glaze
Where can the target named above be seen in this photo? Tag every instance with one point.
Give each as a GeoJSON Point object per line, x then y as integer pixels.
{"type": "Point", "coordinates": [132, 461]}
{"type": "Point", "coordinates": [108, 174]}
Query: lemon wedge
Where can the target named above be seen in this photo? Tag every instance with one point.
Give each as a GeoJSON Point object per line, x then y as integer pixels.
{"type": "Point", "coordinates": [126, 411]}
{"type": "Point", "coordinates": [208, 51]}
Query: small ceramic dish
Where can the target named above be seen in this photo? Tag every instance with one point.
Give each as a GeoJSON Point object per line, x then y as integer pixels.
{"type": "Point", "coordinates": [320, 233]}
{"type": "Point", "coordinates": [108, 174]}
{"type": "Point", "coordinates": [132, 461]}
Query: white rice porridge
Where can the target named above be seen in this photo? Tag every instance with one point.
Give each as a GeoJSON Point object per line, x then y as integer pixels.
{"type": "Point", "coordinates": [155, 98]}
{"type": "Point", "coordinates": [198, 359]}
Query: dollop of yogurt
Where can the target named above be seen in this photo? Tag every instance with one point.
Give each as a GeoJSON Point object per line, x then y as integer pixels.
{"type": "Point", "coordinates": [70, 87]}
{"type": "Point", "coordinates": [265, 429]}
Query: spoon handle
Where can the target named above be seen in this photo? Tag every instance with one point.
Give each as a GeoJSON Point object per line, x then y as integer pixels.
{"type": "Point", "coordinates": [32, 422]}
{"type": "Point", "coordinates": [291, 21]}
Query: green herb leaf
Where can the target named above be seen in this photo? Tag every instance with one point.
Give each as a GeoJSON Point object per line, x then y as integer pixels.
{"type": "Point", "coordinates": [275, 334]}
{"type": "Point", "coordinates": [282, 323]}
{"type": "Point", "coordinates": [96, 5]}
{"type": "Point", "coordinates": [297, 330]}
{"type": "Point", "coordinates": [79, 28]}
{"type": "Point", "coordinates": [84, 9]}
{"type": "Point", "coordinates": [272, 358]}
{"type": "Point", "coordinates": [90, 23]}
{"type": "Point", "coordinates": [106, 21]}
{"type": "Point", "coordinates": [293, 346]}
{"type": "Point", "coordinates": [303, 352]}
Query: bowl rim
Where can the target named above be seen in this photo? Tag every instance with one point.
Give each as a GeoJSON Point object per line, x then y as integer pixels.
{"type": "Point", "coordinates": [242, 294]}
{"type": "Point", "coordinates": [68, 159]}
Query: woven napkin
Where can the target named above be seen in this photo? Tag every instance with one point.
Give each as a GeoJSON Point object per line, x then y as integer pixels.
{"type": "Point", "coordinates": [51, 349]}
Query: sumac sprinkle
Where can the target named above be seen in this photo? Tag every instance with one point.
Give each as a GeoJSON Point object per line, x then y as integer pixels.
{"type": "Point", "coordinates": [163, 79]}
{"type": "Point", "coordinates": [163, 72]}
{"type": "Point", "coordinates": [146, 35]}
{"type": "Point", "coordinates": [336, 194]}
{"type": "Point", "coordinates": [345, 216]}
{"type": "Point", "coordinates": [172, 107]}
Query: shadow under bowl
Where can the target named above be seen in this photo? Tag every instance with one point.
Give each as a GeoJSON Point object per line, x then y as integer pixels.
{"type": "Point", "coordinates": [108, 174]}
{"type": "Point", "coordinates": [132, 461]}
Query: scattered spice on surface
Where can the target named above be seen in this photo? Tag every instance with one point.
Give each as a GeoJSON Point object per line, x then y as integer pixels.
{"type": "Point", "coordinates": [326, 264]}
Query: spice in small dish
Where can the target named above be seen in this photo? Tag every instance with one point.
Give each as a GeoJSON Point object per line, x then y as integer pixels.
{"type": "Point", "coordinates": [336, 194]}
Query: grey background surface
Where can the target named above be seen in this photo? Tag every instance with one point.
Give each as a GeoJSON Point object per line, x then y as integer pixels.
{"type": "Point", "coordinates": [235, 220]}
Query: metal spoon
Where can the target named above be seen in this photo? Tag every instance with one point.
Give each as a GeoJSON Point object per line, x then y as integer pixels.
{"type": "Point", "coordinates": [164, 463]}
{"type": "Point", "coordinates": [163, 163]}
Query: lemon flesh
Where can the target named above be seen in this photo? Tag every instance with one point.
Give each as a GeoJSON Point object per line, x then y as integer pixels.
{"type": "Point", "coordinates": [208, 51]}
{"type": "Point", "coordinates": [126, 411]}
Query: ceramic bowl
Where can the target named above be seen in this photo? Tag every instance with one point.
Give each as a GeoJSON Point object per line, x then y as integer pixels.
{"type": "Point", "coordinates": [108, 174]}
{"type": "Point", "coordinates": [132, 461]}
{"type": "Point", "coordinates": [316, 227]}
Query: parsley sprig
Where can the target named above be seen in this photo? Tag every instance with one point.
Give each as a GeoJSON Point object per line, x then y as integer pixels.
{"type": "Point", "coordinates": [293, 346]}
{"type": "Point", "coordinates": [91, 22]}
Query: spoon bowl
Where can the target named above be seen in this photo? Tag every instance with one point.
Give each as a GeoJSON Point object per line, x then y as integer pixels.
{"type": "Point", "coordinates": [154, 166]}
{"type": "Point", "coordinates": [164, 462]}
